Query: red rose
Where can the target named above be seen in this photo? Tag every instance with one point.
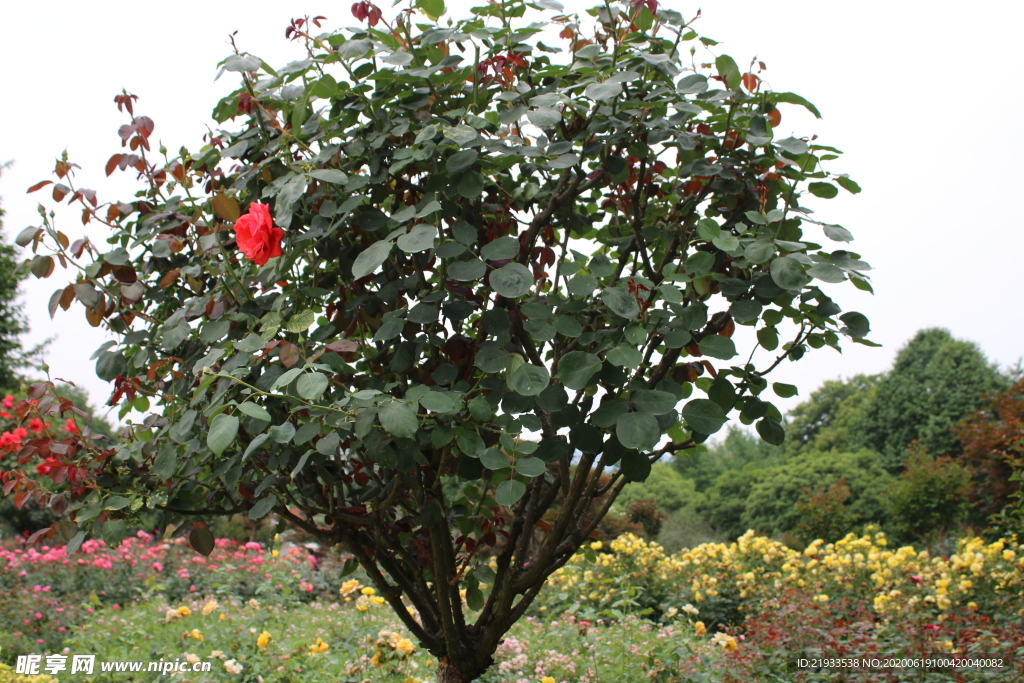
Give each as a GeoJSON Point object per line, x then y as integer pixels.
{"type": "Point", "coordinates": [256, 235]}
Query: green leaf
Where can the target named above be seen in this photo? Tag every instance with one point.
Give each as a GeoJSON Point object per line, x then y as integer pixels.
{"type": "Point", "coordinates": [717, 346]}
{"type": "Point", "coordinates": [420, 238]}
{"type": "Point", "coordinates": [635, 466]}
{"type": "Point", "coordinates": [438, 402]}
{"type": "Point", "coordinates": [467, 271]}
{"type": "Point", "coordinates": [544, 117]}
{"type": "Point", "coordinates": [847, 184]}
{"type": "Point", "coordinates": [470, 443]}
{"type": "Point", "coordinates": [653, 402]}
{"type": "Point", "coordinates": [837, 233]}
{"type": "Point", "coordinates": [784, 390]}
{"type": "Point", "coordinates": [792, 98]}
{"type": "Point", "coordinates": [771, 430]}
{"type": "Point", "coordinates": [530, 466]}
{"type": "Point", "coordinates": [768, 338]}
{"type": "Point", "coordinates": [502, 248]}
{"type": "Point", "coordinates": [300, 322]}
{"type": "Point", "coordinates": [281, 433]}
{"type": "Point", "coordinates": [704, 416]}
{"type": "Point", "coordinates": [728, 70]}
{"type": "Point", "coordinates": [512, 280]}
{"type": "Point", "coordinates": [116, 503]}
{"type": "Point", "coordinates": [625, 355]}
{"type": "Point", "coordinates": [223, 430]}
{"type": "Point", "coordinates": [471, 185]}
{"type": "Point", "coordinates": [603, 92]}
{"type": "Point", "coordinates": [494, 459]}
{"type": "Point", "coordinates": [857, 324]}
{"type": "Point", "coordinates": [576, 368]}
{"type": "Point", "coordinates": [529, 380]}
{"type": "Point", "coordinates": [621, 303]}
{"type": "Point", "coordinates": [491, 358]}
{"type": "Point", "coordinates": [254, 411]}
{"type": "Point", "coordinates": [509, 492]}
{"type": "Point", "coordinates": [699, 264]}
{"type": "Point", "coordinates": [432, 8]}
{"type": "Point", "coordinates": [638, 430]}
{"type": "Point", "coordinates": [826, 272]}
{"type": "Point", "coordinates": [792, 145]}
{"type": "Point", "coordinates": [823, 190]}
{"type": "Point", "coordinates": [311, 385]}
{"type": "Point", "coordinates": [370, 259]}
{"type": "Point", "coordinates": [460, 161]}
{"type": "Point", "coordinates": [788, 273]}
{"type": "Point", "coordinates": [398, 418]}
{"type": "Point", "coordinates": [262, 507]}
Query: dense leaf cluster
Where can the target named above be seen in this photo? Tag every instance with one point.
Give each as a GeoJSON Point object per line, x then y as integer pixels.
{"type": "Point", "coordinates": [514, 258]}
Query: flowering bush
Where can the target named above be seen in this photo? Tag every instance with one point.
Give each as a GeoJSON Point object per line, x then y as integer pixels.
{"type": "Point", "coordinates": [475, 237]}
{"type": "Point", "coordinates": [45, 594]}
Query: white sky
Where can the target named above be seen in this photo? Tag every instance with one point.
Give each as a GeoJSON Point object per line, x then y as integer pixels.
{"type": "Point", "coordinates": [923, 97]}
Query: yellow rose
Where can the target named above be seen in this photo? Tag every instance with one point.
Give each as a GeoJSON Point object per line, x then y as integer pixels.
{"type": "Point", "coordinates": [262, 641]}
{"type": "Point", "coordinates": [549, 679]}
{"type": "Point", "coordinates": [195, 634]}
{"type": "Point", "coordinates": [368, 591]}
{"type": "Point", "coordinates": [699, 628]}
{"type": "Point", "coordinates": [209, 607]}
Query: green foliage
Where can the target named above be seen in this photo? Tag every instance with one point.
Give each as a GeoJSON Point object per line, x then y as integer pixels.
{"type": "Point", "coordinates": [829, 418]}
{"type": "Point", "coordinates": [930, 497]}
{"type": "Point", "coordinates": [665, 486]}
{"type": "Point", "coordinates": [823, 512]}
{"type": "Point", "coordinates": [13, 323]}
{"type": "Point", "coordinates": [771, 507]}
{"type": "Point", "coordinates": [739, 449]}
{"type": "Point", "coordinates": [456, 235]}
{"type": "Point", "coordinates": [935, 381]}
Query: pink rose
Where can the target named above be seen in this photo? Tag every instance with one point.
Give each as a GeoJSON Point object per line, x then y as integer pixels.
{"type": "Point", "coordinates": [256, 235]}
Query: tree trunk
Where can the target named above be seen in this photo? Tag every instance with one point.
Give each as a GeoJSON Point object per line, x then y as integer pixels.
{"type": "Point", "coordinates": [447, 672]}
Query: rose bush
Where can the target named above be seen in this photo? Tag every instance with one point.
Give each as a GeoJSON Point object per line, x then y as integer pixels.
{"type": "Point", "coordinates": [510, 274]}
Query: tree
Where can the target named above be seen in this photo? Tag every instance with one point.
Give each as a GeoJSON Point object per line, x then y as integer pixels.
{"type": "Point", "coordinates": [930, 496]}
{"type": "Point", "coordinates": [473, 272]}
{"type": "Point", "coordinates": [829, 418]}
{"type": "Point", "coordinates": [934, 382]}
{"type": "Point", "coordinates": [665, 486]}
{"type": "Point", "coordinates": [772, 504]}
{"type": "Point", "coordinates": [12, 318]}
{"type": "Point", "coordinates": [738, 450]}
{"type": "Point", "coordinates": [993, 447]}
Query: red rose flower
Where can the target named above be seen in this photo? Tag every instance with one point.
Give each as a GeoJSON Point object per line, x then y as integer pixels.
{"type": "Point", "coordinates": [70, 426]}
{"type": "Point", "coordinates": [36, 425]}
{"type": "Point", "coordinates": [8, 401]}
{"type": "Point", "coordinates": [256, 235]}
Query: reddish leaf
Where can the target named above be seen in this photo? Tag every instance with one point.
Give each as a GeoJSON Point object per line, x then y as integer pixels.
{"type": "Point", "coordinates": [169, 278]}
{"type": "Point", "coordinates": [750, 82]}
{"type": "Point", "coordinates": [40, 184]}
{"type": "Point", "coordinates": [342, 346]}
{"type": "Point", "coordinates": [113, 163]}
{"type": "Point", "coordinates": [289, 354]}
{"type": "Point", "coordinates": [60, 191]}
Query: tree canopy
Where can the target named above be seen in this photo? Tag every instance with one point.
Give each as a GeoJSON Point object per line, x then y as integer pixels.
{"type": "Point", "coordinates": [428, 278]}
{"type": "Point", "coordinates": [934, 382]}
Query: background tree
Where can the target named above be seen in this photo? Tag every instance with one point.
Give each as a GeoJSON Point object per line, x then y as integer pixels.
{"type": "Point", "coordinates": [830, 418]}
{"type": "Point", "coordinates": [475, 273]}
{"type": "Point", "coordinates": [993, 447]}
{"type": "Point", "coordinates": [13, 323]}
{"type": "Point", "coordinates": [935, 381]}
{"type": "Point", "coordinates": [930, 497]}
